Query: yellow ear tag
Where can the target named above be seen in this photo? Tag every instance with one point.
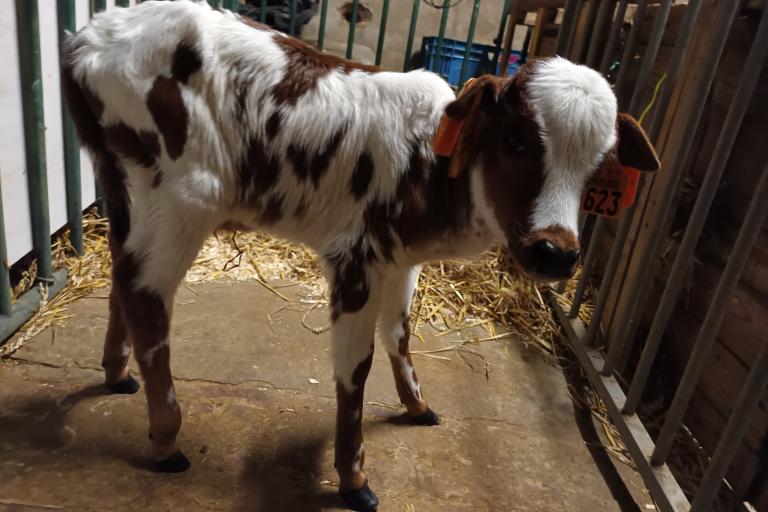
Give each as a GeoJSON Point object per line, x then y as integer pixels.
{"type": "Point", "coordinates": [449, 130]}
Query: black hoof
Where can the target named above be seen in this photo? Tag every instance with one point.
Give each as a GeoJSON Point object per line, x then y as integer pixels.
{"type": "Point", "coordinates": [361, 500]}
{"type": "Point", "coordinates": [176, 463]}
{"type": "Point", "coordinates": [428, 418]}
{"type": "Point", "coordinates": [126, 386]}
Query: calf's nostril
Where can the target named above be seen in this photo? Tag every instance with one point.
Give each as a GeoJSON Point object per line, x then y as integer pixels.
{"type": "Point", "coordinates": [546, 249]}
{"type": "Point", "coordinates": [571, 257]}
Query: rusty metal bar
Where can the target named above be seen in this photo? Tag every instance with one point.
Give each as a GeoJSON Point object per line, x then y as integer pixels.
{"type": "Point", "coordinates": [629, 48]}
{"type": "Point", "coordinates": [579, 53]}
{"type": "Point", "coordinates": [651, 51]}
{"type": "Point", "coordinates": [600, 25]}
{"type": "Point", "coordinates": [673, 71]}
{"type": "Point", "coordinates": [568, 27]}
{"type": "Point", "coordinates": [750, 229]}
{"type": "Point", "coordinates": [737, 425]}
{"type": "Point", "coordinates": [742, 96]}
{"type": "Point", "coordinates": [512, 10]}
{"type": "Point", "coordinates": [634, 288]}
{"type": "Point", "coordinates": [613, 36]}
{"type": "Point", "coordinates": [666, 492]}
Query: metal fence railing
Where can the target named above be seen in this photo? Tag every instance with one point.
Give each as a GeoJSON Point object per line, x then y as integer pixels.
{"type": "Point", "coordinates": [605, 367]}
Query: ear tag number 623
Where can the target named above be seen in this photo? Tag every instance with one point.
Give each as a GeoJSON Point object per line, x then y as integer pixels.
{"type": "Point", "coordinates": [610, 191]}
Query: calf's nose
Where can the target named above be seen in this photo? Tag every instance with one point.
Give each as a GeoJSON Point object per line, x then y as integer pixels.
{"type": "Point", "coordinates": [552, 261]}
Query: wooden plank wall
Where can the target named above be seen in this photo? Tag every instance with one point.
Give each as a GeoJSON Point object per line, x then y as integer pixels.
{"type": "Point", "coordinates": [745, 327]}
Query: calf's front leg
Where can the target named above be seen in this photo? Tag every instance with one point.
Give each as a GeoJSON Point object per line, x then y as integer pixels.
{"type": "Point", "coordinates": [395, 332]}
{"type": "Point", "coordinates": [354, 294]}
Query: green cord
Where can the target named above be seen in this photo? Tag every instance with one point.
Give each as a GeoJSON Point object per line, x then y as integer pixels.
{"type": "Point", "coordinates": [653, 99]}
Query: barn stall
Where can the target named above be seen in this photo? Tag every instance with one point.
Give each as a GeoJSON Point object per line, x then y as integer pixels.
{"type": "Point", "coordinates": [693, 72]}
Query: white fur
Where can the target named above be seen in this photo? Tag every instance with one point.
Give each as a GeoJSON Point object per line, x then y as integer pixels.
{"type": "Point", "coordinates": [149, 355]}
{"type": "Point", "coordinates": [575, 109]}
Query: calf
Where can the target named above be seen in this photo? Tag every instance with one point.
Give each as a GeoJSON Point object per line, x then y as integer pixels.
{"type": "Point", "coordinates": [196, 118]}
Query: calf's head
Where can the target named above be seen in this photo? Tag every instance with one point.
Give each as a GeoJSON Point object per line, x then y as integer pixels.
{"type": "Point", "coordinates": [534, 139]}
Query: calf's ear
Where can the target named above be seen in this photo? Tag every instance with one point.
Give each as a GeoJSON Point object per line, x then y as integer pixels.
{"type": "Point", "coordinates": [480, 94]}
{"type": "Point", "coordinates": [634, 149]}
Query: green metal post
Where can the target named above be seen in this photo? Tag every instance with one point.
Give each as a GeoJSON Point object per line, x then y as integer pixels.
{"type": "Point", "coordinates": [441, 35]}
{"type": "Point", "coordinates": [470, 37]}
{"type": "Point", "coordinates": [323, 18]}
{"type": "Point", "coordinates": [5, 281]}
{"type": "Point", "coordinates": [98, 6]}
{"type": "Point", "coordinates": [382, 30]}
{"type": "Point", "coordinates": [214, 3]}
{"type": "Point", "coordinates": [263, 11]}
{"type": "Point", "coordinates": [28, 30]}
{"type": "Point", "coordinates": [292, 25]}
{"type": "Point", "coordinates": [352, 23]}
{"type": "Point", "coordinates": [66, 16]}
{"type": "Point", "coordinates": [123, 3]}
{"type": "Point", "coordinates": [411, 33]}
{"type": "Point", "coordinates": [500, 34]}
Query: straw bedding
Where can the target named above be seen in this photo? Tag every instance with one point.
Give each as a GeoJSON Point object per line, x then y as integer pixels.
{"type": "Point", "coordinates": [452, 296]}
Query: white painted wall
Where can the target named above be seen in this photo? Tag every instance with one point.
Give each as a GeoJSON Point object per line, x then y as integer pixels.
{"type": "Point", "coordinates": [13, 177]}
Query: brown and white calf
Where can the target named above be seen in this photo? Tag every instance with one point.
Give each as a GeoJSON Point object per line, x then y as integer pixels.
{"type": "Point", "coordinates": [196, 119]}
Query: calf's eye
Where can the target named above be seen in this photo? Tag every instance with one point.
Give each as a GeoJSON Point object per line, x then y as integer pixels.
{"type": "Point", "coordinates": [513, 142]}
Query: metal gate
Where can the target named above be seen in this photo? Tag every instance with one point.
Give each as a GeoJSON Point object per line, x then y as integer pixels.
{"type": "Point", "coordinates": [604, 365]}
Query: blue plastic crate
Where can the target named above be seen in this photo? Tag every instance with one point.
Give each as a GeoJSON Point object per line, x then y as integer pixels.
{"type": "Point", "coordinates": [452, 57]}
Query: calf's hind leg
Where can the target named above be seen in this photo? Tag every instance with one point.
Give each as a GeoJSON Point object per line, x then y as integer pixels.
{"type": "Point", "coordinates": [117, 346]}
{"type": "Point", "coordinates": [147, 274]}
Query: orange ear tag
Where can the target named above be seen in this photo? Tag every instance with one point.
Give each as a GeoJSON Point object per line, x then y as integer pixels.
{"type": "Point", "coordinates": [447, 136]}
{"type": "Point", "coordinates": [610, 191]}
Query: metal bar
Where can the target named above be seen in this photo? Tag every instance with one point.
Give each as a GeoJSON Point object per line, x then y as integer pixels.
{"type": "Point", "coordinates": [635, 287]}
{"type": "Point", "coordinates": [586, 270]}
{"type": "Point", "coordinates": [29, 303]}
{"type": "Point", "coordinates": [597, 35]}
{"type": "Point", "coordinates": [649, 57]}
{"type": "Point", "coordinates": [123, 3]}
{"type": "Point", "coordinates": [323, 20]}
{"type": "Point", "coordinates": [629, 48]}
{"type": "Point", "coordinates": [579, 53]}
{"type": "Point", "coordinates": [294, 14]}
{"type": "Point", "coordinates": [470, 38]}
{"type": "Point", "coordinates": [66, 20]}
{"type": "Point", "coordinates": [352, 26]}
{"type": "Point", "coordinates": [749, 398]}
{"type": "Point", "coordinates": [511, 26]}
{"type": "Point", "coordinates": [212, 3]}
{"type": "Point", "coordinates": [750, 229]}
{"type": "Point", "coordinates": [662, 485]}
{"type": "Point", "coordinates": [673, 71]}
{"type": "Point", "coordinates": [611, 267]}
{"type": "Point", "coordinates": [411, 33]}
{"type": "Point", "coordinates": [613, 36]}
{"type": "Point", "coordinates": [98, 5]}
{"type": "Point", "coordinates": [568, 27]}
{"type": "Point", "coordinates": [698, 216]}
{"type": "Point", "coordinates": [263, 12]}
{"type": "Point", "coordinates": [34, 132]}
{"type": "Point", "coordinates": [382, 31]}
{"type": "Point", "coordinates": [5, 280]}
{"type": "Point", "coordinates": [499, 41]}
{"type": "Point", "coordinates": [441, 34]}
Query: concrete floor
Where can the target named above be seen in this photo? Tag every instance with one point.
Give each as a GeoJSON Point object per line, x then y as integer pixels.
{"type": "Point", "coordinates": [260, 434]}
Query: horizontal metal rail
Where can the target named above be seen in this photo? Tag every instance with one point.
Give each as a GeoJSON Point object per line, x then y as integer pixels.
{"type": "Point", "coordinates": [665, 490]}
